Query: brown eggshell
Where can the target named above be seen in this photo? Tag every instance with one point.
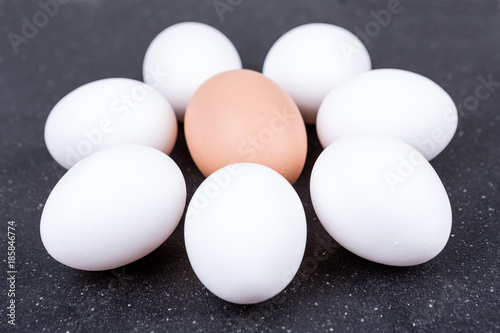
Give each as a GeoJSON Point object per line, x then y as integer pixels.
{"type": "Point", "coordinates": [242, 116]}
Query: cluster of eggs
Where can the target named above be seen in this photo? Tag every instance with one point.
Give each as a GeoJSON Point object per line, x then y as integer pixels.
{"type": "Point", "coordinates": [372, 187]}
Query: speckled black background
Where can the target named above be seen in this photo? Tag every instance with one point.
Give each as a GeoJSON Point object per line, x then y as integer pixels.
{"type": "Point", "coordinates": [455, 43]}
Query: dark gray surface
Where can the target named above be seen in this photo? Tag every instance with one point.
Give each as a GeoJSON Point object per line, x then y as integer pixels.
{"type": "Point", "coordinates": [452, 42]}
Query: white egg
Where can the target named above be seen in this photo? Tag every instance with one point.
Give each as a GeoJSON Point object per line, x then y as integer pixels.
{"type": "Point", "coordinates": [245, 233]}
{"type": "Point", "coordinates": [380, 199]}
{"type": "Point", "coordinates": [113, 208]}
{"type": "Point", "coordinates": [183, 56]}
{"type": "Point", "coordinates": [309, 60]}
{"type": "Point", "coordinates": [106, 113]}
{"type": "Point", "coordinates": [390, 102]}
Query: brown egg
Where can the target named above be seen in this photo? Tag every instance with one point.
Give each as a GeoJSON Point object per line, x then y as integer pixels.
{"type": "Point", "coordinates": [242, 116]}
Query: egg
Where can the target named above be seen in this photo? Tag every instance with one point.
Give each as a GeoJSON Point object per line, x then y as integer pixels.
{"type": "Point", "coordinates": [381, 199]}
{"type": "Point", "coordinates": [106, 113]}
{"type": "Point", "coordinates": [245, 233]}
{"type": "Point", "coordinates": [242, 116]}
{"type": "Point", "coordinates": [183, 56]}
{"type": "Point", "coordinates": [113, 207]}
{"type": "Point", "coordinates": [311, 59]}
{"type": "Point", "coordinates": [390, 102]}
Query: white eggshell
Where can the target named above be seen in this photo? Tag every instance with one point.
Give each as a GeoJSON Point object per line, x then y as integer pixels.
{"type": "Point", "coordinates": [309, 60]}
{"type": "Point", "coordinates": [113, 208]}
{"type": "Point", "coordinates": [390, 102]}
{"type": "Point", "coordinates": [106, 113]}
{"type": "Point", "coordinates": [380, 199]}
{"type": "Point", "coordinates": [183, 56]}
{"type": "Point", "coordinates": [245, 233]}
